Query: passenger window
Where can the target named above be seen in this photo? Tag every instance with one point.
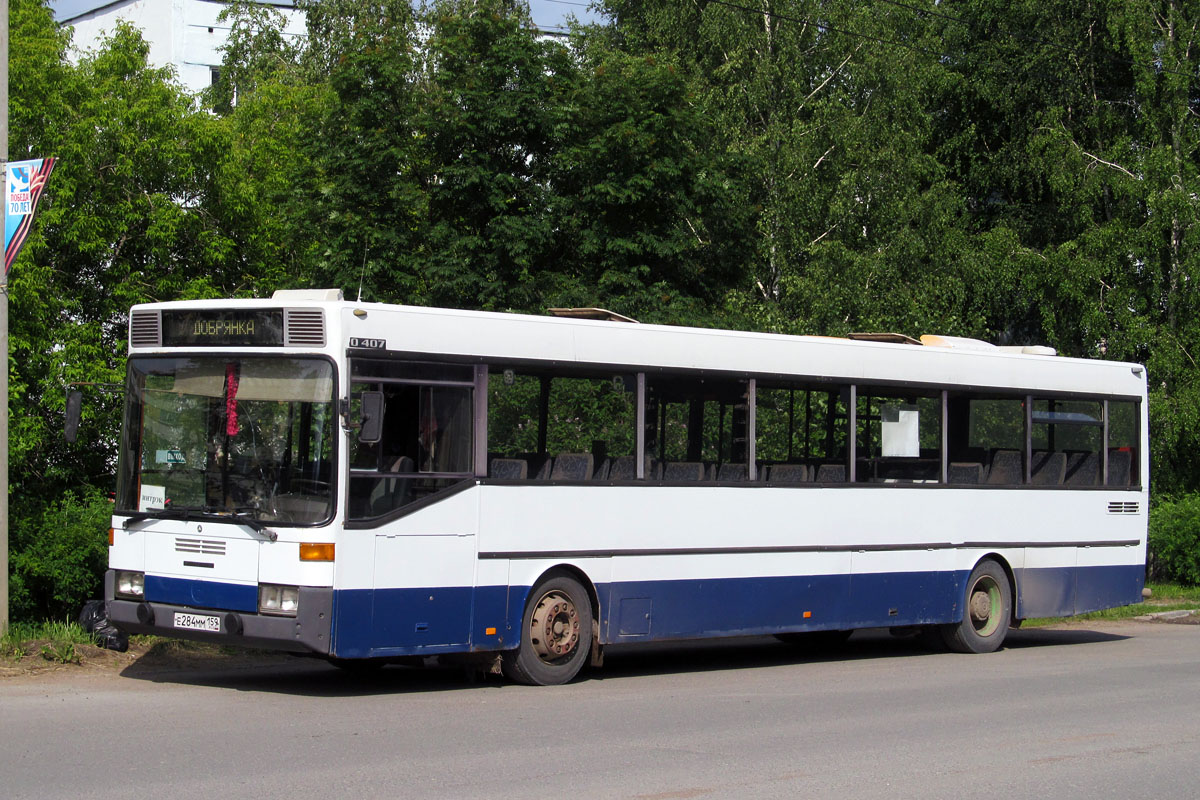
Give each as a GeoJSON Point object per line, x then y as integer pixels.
{"type": "Point", "coordinates": [694, 426]}
{"type": "Point", "coordinates": [986, 437]}
{"type": "Point", "coordinates": [561, 427]}
{"type": "Point", "coordinates": [997, 424]}
{"type": "Point", "coordinates": [1123, 418]}
{"type": "Point", "coordinates": [898, 438]}
{"type": "Point", "coordinates": [1066, 438]}
{"type": "Point", "coordinates": [801, 430]}
{"type": "Point", "coordinates": [427, 439]}
{"type": "Point", "coordinates": [513, 419]}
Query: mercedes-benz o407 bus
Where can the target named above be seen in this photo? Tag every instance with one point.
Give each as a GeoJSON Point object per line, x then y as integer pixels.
{"type": "Point", "coordinates": [376, 482]}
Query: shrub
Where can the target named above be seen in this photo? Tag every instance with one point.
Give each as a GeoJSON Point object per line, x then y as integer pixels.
{"type": "Point", "coordinates": [1175, 541]}
{"type": "Point", "coordinates": [58, 557]}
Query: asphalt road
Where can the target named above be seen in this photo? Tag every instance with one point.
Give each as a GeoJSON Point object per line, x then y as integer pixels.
{"type": "Point", "coordinates": [1109, 710]}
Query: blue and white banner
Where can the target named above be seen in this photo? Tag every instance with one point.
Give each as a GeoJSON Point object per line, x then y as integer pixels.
{"type": "Point", "coordinates": [23, 187]}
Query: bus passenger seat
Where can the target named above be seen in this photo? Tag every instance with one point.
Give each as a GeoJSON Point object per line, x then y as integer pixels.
{"type": "Point", "coordinates": [1006, 469]}
{"type": "Point", "coordinates": [831, 473]}
{"type": "Point", "coordinates": [623, 469]}
{"type": "Point", "coordinates": [1048, 468]}
{"type": "Point", "coordinates": [683, 471]}
{"type": "Point", "coordinates": [572, 467]}
{"type": "Point", "coordinates": [600, 473]}
{"type": "Point", "coordinates": [509, 469]}
{"type": "Point", "coordinates": [1083, 469]}
{"type": "Point", "coordinates": [788, 473]}
{"type": "Point", "coordinates": [731, 472]}
{"type": "Point", "coordinates": [965, 472]}
{"type": "Point", "coordinates": [1120, 467]}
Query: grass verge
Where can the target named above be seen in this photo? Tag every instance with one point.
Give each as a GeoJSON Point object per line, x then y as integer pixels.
{"type": "Point", "coordinates": [54, 641]}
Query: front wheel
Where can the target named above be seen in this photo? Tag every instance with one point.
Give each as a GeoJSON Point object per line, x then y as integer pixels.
{"type": "Point", "coordinates": [556, 634]}
{"type": "Point", "coordinates": [986, 618]}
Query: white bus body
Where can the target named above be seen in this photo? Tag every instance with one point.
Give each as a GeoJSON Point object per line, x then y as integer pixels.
{"type": "Point", "coordinates": [658, 558]}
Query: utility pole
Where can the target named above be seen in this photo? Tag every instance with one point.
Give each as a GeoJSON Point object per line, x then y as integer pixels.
{"type": "Point", "coordinates": [4, 329]}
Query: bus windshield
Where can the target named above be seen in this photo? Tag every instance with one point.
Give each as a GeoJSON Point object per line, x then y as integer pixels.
{"type": "Point", "coordinates": [229, 436]}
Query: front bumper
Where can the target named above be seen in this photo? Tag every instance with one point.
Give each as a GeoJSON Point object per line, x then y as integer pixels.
{"type": "Point", "coordinates": [307, 632]}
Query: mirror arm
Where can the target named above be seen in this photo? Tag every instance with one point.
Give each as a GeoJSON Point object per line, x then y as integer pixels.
{"type": "Point", "coordinates": [74, 405]}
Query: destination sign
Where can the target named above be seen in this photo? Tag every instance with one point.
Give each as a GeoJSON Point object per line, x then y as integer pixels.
{"type": "Point", "coordinates": [207, 328]}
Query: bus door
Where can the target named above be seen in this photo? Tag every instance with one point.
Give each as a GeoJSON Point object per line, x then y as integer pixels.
{"type": "Point", "coordinates": [405, 483]}
{"type": "Point", "coordinates": [425, 576]}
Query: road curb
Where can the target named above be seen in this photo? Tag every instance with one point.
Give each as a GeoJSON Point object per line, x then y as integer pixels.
{"type": "Point", "coordinates": [1168, 616]}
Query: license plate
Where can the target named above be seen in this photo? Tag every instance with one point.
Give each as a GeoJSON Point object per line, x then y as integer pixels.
{"type": "Point", "coordinates": [198, 622]}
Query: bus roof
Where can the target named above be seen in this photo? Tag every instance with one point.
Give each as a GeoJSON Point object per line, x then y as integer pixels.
{"type": "Point", "coordinates": [485, 336]}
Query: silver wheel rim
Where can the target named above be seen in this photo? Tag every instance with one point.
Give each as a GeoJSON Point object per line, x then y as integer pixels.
{"type": "Point", "coordinates": [554, 628]}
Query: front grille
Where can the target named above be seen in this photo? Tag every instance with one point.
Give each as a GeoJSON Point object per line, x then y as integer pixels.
{"type": "Point", "coordinates": [303, 327]}
{"type": "Point", "coordinates": [208, 547]}
{"type": "Point", "coordinates": [145, 329]}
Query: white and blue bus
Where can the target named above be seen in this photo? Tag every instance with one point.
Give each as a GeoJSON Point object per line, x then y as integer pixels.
{"type": "Point", "coordinates": [370, 482]}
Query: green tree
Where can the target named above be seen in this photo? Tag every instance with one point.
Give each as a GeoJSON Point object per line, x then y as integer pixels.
{"type": "Point", "coordinates": [128, 217]}
{"type": "Point", "coordinates": [829, 110]}
{"type": "Point", "coordinates": [265, 189]}
{"type": "Point", "coordinates": [650, 221]}
{"type": "Point", "coordinates": [491, 105]}
{"type": "Point", "coordinates": [368, 152]}
{"type": "Point", "coordinates": [1077, 146]}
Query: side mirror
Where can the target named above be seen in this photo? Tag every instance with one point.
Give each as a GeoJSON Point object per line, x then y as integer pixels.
{"type": "Point", "coordinates": [370, 412]}
{"type": "Point", "coordinates": [74, 409]}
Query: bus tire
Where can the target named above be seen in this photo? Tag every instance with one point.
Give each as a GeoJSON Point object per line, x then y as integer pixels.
{"type": "Point", "coordinates": [987, 613]}
{"type": "Point", "coordinates": [556, 634]}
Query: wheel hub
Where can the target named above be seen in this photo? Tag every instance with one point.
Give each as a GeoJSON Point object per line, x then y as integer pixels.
{"type": "Point", "coordinates": [981, 606]}
{"type": "Point", "coordinates": [984, 606]}
{"type": "Point", "coordinates": [554, 627]}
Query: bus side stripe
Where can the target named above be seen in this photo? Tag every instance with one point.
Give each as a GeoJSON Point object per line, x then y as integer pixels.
{"type": "Point", "coordinates": [841, 548]}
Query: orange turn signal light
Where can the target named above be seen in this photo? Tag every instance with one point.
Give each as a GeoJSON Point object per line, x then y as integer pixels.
{"type": "Point", "coordinates": [111, 537]}
{"type": "Point", "coordinates": [316, 551]}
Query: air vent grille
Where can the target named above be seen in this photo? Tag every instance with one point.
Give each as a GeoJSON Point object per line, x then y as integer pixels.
{"type": "Point", "coordinates": [145, 329]}
{"type": "Point", "coordinates": [1117, 507]}
{"type": "Point", "coordinates": [208, 547]}
{"type": "Point", "coordinates": [303, 327]}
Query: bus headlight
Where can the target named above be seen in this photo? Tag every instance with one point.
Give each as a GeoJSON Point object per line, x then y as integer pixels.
{"type": "Point", "coordinates": [279, 600]}
{"type": "Point", "coordinates": [130, 585]}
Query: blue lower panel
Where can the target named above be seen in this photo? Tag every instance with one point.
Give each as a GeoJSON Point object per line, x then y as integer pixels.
{"type": "Point", "coordinates": [201, 594]}
{"type": "Point", "coordinates": [645, 611]}
{"type": "Point", "coordinates": [1063, 591]}
{"type": "Point", "coordinates": [396, 622]}
{"type": "Point", "coordinates": [1107, 587]}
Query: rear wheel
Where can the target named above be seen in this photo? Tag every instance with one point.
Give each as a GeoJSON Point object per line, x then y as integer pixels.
{"type": "Point", "coordinates": [556, 634]}
{"type": "Point", "coordinates": [986, 618]}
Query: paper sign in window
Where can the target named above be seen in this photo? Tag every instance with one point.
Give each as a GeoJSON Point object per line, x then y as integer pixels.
{"type": "Point", "coordinates": [900, 431]}
{"type": "Point", "coordinates": [153, 498]}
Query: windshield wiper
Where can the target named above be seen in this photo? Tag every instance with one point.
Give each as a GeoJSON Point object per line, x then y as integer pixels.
{"type": "Point", "coordinates": [245, 515]}
{"type": "Point", "coordinates": [216, 513]}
